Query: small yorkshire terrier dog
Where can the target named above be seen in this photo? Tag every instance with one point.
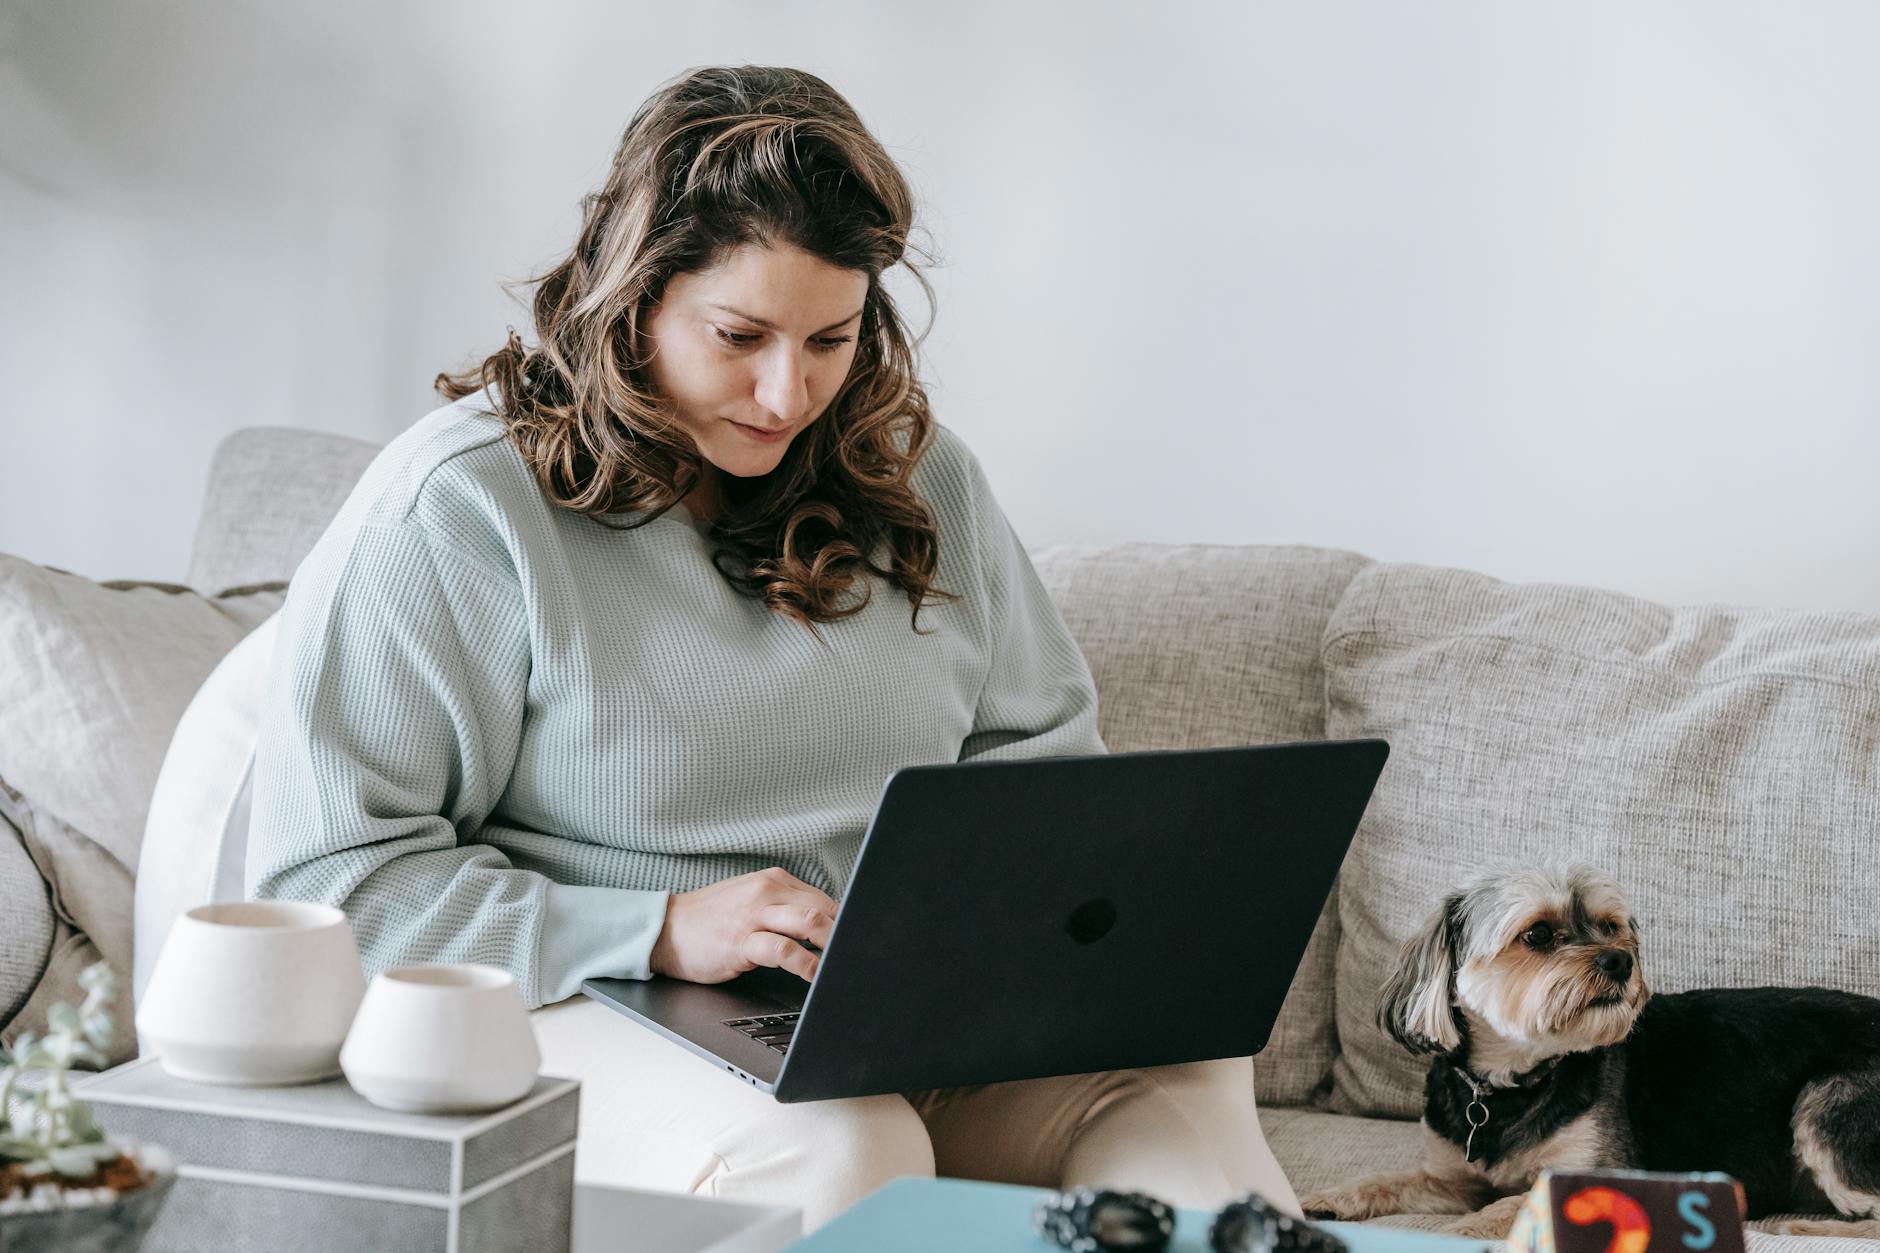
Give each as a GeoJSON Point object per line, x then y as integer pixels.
{"type": "Point", "coordinates": [1548, 1050]}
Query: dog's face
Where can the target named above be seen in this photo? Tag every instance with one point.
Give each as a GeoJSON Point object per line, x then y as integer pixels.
{"type": "Point", "coordinates": [1546, 960]}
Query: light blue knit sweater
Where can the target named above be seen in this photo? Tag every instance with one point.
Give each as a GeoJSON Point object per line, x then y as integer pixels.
{"type": "Point", "coordinates": [496, 731]}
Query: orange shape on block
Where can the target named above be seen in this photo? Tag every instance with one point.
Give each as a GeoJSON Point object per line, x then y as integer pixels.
{"type": "Point", "coordinates": [1631, 1227]}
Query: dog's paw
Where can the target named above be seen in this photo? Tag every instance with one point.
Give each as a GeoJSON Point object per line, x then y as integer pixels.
{"type": "Point", "coordinates": [1348, 1204]}
{"type": "Point", "coordinates": [1860, 1228]}
{"type": "Point", "coordinates": [1475, 1228]}
{"type": "Point", "coordinates": [1491, 1222]}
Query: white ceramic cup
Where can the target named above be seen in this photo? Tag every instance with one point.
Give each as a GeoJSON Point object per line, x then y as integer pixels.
{"type": "Point", "coordinates": [441, 1039]}
{"type": "Point", "coordinates": [253, 993]}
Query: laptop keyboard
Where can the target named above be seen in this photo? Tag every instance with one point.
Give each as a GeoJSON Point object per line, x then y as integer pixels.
{"type": "Point", "coordinates": [772, 1030]}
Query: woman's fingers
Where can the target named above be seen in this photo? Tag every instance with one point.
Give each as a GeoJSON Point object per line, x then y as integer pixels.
{"type": "Point", "coordinates": [788, 910]}
{"type": "Point", "coordinates": [802, 922]}
{"type": "Point", "coordinates": [781, 885]}
{"type": "Point", "coordinates": [767, 948]}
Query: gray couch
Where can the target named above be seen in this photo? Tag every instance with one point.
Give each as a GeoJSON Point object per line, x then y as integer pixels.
{"type": "Point", "coordinates": [1723, 762]}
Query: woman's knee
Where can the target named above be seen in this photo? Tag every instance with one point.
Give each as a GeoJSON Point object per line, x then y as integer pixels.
{"type": "Point", "coordinates": [1217, 1082]}
{"type": "Point", "coordinates": [824, 1155]}
{"type": "Point", "coordinates": [880, 1134]}
{"type": "Point", "coordinates": [1187, 1132]}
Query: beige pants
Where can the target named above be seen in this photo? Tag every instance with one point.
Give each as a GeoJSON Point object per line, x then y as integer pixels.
{"type": "Point", "coordinates": [656, 1116]}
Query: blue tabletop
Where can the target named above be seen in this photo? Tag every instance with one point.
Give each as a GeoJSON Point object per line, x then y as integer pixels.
{"type": "Point", "coordinates": [948, 1215]}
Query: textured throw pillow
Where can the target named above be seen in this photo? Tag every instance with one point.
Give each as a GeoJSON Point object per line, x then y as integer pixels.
{"type": "Point", "coordinates": [1206, 645]}
{"type": "Point", "coordinates": [26, 926]}
{"type": "Point", "coordinates": [196, 836]}
{"type": "Point", "coordinates": [1722, 762]}
{"type": "Point", "coordinates": [93, 679]}
{"type": "Point", "coordinates": [89, 892]}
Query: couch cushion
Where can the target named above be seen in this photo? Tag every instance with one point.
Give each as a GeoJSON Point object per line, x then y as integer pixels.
{"type": "Point", "coordinates": [1201, 646]}
{"type": "Point", "coordinates": [272, 491]}
{"type": "Point", "coordinates": [93, 678]}
{"type": "Point", "coordinates": [1323, 1150]}
{"type": "Point", "coordinates": [89, 891]}
{"type": "Point", "coordinates": [1723, 763]}
{"type": "Point", "coordinates": [25, 923]}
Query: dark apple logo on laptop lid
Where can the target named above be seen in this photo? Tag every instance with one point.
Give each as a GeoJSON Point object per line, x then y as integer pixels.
{"type": "Point", "coordinates": [1091, 921]}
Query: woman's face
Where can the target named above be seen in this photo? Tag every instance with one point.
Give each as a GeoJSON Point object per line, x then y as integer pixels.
{"type": "Point", "coordinates": [764, 341]}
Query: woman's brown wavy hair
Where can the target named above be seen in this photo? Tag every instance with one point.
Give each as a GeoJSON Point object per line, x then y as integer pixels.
{"type": "Point", "coordinates": [716, 159]}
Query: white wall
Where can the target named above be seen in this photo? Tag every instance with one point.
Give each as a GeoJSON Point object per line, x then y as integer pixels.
{"type": "Point", "coordinates": [1583, 293]}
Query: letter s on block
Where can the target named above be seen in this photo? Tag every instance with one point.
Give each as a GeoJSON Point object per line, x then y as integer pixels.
{"type": "Point", "coordinates": [1703, 1232]}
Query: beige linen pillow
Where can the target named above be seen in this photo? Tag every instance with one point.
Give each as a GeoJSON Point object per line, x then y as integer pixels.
{"type": "Point", "coordinates": [93, 678]}
{"type": "Point", "coordinates": [1722, 762]}
{"type": "Point", "coordinates": [26, 929]}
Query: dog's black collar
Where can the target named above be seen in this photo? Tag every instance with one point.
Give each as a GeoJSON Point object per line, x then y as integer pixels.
{"type": "Point", "coordinates": [1526, 1079]}
{"type": "Point", "coordinates": [1476, 1114]}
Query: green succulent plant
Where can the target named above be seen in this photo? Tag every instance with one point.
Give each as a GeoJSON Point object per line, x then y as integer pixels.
{"type": "Point", "coordinates": [49, 1132]}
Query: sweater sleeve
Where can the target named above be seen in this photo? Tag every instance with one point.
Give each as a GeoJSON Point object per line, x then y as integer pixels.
{"type": "Point", "coordinates": [1039, 698]}
{"type": "Point", "coordinates": [388, 732]}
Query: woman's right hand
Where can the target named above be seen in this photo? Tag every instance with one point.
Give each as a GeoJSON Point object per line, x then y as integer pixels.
{"type": "Point", "coordinates": [726, 928]}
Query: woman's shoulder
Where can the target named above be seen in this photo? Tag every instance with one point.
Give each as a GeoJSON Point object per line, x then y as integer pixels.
{"type": "Point", "coordinates": [945, 446]}
{"type": "Point", "coordinates": [457, 448]}
{"type": "Point", "coordinates": [948, 476]}
{"type": "Point", "coordinates": [455, 477]}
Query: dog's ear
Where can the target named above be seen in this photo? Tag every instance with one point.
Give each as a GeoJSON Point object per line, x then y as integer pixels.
{"type": "Point", "coordinates": [1414, 1007]}
{"type": "Point", "coordinates": [1638, 959]}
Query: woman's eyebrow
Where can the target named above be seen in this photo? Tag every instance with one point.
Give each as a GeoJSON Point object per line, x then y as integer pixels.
{"type": "Point", "coordinates": [771, 326]}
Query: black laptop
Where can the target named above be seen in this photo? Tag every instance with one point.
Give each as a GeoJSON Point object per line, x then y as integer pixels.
{"type": "Point", "coordinates": [1013, 919]}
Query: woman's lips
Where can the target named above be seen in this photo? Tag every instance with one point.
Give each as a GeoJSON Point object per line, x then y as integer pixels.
{"type": "Point", "coordinates": [760, 434]}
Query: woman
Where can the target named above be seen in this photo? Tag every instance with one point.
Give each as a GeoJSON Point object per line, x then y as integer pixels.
{"type": "Point", "coordinates": [601, 667]}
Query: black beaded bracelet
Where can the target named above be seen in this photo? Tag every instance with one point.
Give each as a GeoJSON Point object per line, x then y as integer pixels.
{"type": "Point", "coordinates": [1086, 1220]}
{"type": "Point", "coordinates": [1252, 1225]}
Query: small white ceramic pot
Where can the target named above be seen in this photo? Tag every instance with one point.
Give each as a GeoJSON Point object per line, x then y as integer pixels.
{"type": "Point", "coordinates": [441, 1039]}
{"type": "Point", "coordinates": [253, 993]}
